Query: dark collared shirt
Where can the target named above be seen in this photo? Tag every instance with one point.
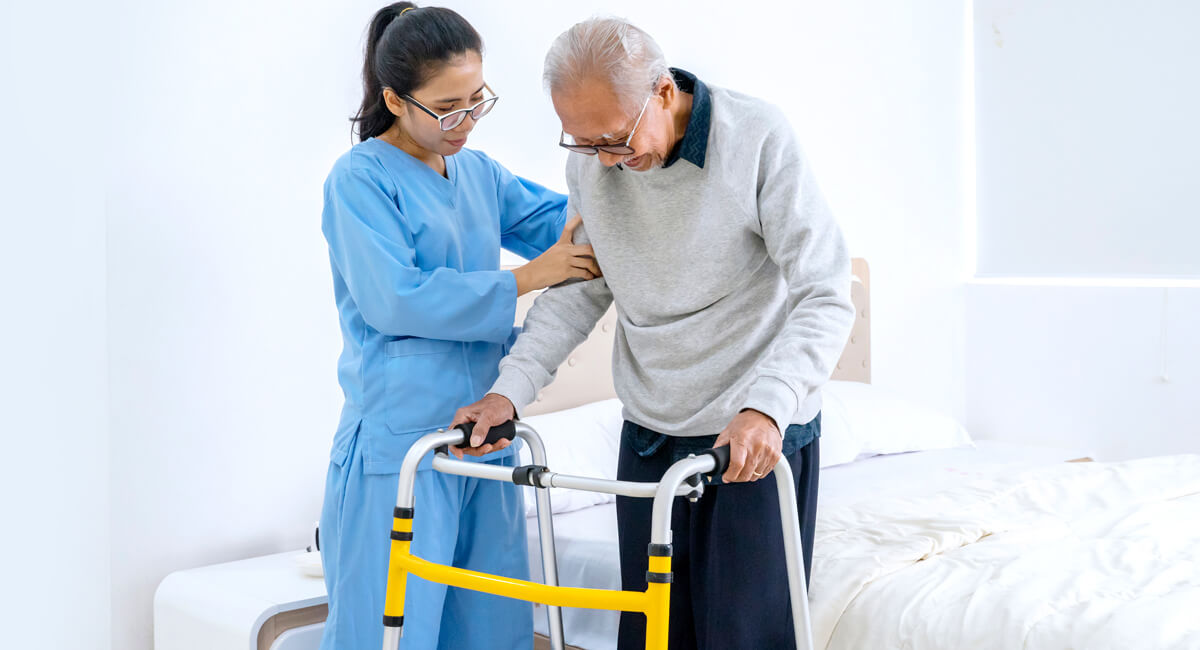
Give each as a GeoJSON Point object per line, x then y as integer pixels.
{"type": "Point", "coordinates": [693, 147]}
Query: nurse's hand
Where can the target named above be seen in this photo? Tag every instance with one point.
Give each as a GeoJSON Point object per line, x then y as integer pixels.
{"type": "Point", "coordinates": [563, 261]}
{"type": "Point", "coordinates": [488, 412]}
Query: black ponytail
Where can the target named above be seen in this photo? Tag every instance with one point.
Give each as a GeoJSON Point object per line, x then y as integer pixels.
{"type": "Point", "coordinates": [404, 49]}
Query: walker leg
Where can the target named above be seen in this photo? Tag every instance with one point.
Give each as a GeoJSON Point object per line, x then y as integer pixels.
{"type": "Point", "coordinates": [658, 594]}
{"type": "Point", "coordinates": [391, 638]}
{"type": "Point", "coordinates": [401, 535]}
{"type": "Point", "coordinates": [397, 583]}
{"type": "Point", "coordinates": [793, 549]}
{"type": "Point", "coordinates": [546, 538]}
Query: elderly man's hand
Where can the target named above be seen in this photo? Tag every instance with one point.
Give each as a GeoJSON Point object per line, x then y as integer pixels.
{"type": "Point", "coordinates": [488, 412]}
{"type": "Point", "coordinates": [754, 446]}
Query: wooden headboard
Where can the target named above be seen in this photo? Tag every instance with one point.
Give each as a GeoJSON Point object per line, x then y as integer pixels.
{"type": "Point", "coordinates": [855, 364]}
{"type": "Point", "coordinates": [587, 374]}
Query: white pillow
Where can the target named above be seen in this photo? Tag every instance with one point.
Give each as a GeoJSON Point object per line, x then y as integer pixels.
{"type": "Point", "coordinates": [859, 420]}
{"type": "Point", "coordinates": [582, 441]}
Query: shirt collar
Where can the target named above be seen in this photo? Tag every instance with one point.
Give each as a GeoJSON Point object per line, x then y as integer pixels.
{"type": "Point", "coordinates": [693, 147]}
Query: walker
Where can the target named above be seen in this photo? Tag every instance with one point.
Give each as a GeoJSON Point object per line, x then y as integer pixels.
{"type": "Point", "coordinates": [681, 479]}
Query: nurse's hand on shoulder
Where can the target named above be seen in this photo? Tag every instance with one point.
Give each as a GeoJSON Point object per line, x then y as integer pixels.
{"type": "Point", "coordinates": [488, 412]}
{"type": "Point", "coordinates": [561, 262]}
{"type": "Point", "coordinates": [755, 445]}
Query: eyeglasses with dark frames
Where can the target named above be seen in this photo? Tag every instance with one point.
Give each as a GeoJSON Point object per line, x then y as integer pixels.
{"type": "Point", "coordinates": [453, 119]}
{"type": "Point", "coordinates": [615, 149]}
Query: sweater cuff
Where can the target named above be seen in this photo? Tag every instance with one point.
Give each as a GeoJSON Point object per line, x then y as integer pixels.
{"type": "Point", "coordinates": [775, 399]}
{"type": "Point", "coordinates": [514, 385]}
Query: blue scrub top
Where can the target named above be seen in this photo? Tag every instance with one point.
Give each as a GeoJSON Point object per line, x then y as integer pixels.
{"type": "Point", "coordinates": [426, 313]}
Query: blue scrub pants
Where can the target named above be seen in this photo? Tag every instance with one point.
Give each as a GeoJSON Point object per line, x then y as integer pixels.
{"type": "Point", "coordinates": [462, 521]}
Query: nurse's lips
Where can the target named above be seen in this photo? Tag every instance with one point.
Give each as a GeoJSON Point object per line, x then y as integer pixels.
{"type": "Point", "coordinates": [457, 143]}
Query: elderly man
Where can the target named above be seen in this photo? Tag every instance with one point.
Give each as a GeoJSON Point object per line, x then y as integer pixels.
{"type": "Point", "coordinates": [731, 282]}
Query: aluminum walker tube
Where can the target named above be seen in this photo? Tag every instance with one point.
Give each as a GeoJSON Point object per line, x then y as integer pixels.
{"type": "Point", "coordinates": [654, 602]}
{"type": "Point", "coordinates": [402, 522]}
{"type": "Point", "coordinates": [793, 548]}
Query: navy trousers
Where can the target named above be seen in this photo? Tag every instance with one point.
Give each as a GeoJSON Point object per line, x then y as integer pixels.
{"type": "Point", "coordinates": [730, 588]}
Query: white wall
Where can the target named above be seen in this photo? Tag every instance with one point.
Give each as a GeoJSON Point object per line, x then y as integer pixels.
{"type": "Point", "coordinates": [53, 385]}
{"type": "Point", "coordinates": [1088, 138]}
{"type": "Point", "coordinates": [222, 331]}
{"type": "Point", "coordinates": [1083, 367]}
{"type": "Point", "coordinates": [1086, 164]}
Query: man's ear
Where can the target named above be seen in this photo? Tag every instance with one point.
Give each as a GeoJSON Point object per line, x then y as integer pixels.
{"type": "Point", "coordinates": [393, 102]}
{"type": "Point", "coordinates": [666, 89]}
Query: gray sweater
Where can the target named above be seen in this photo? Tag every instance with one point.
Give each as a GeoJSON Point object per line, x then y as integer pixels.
{"type": "Point", "coordinates": [731, 282]}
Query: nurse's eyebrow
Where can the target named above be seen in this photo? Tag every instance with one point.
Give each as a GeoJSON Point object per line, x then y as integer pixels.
{"type": "Point", "coordinates": [458, 99]}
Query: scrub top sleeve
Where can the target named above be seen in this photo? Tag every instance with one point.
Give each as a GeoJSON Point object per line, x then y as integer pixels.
{"type": "Point", "coordinates": [373, 250]}
{"type": "Point", "coordinates": [532, 217]}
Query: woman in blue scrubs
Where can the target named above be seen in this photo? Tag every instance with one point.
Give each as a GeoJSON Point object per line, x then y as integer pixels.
{"type": "Point", "coordinates": [415, 224]}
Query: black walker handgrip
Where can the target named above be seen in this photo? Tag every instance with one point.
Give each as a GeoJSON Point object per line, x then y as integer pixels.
{"type": "Point", "coordinates": [721, 456]}
{"type": "Point", "coordinates": [506, 431]}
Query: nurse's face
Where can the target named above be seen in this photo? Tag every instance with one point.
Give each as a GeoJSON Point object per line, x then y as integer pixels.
{"type": "Point", "coordinates": [457, 84]}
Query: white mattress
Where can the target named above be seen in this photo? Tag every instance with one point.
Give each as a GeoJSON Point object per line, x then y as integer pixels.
{"type": "Point", "coordinates": [1104, 556]}
{"type": "Point", "coordinates": [586, 540]}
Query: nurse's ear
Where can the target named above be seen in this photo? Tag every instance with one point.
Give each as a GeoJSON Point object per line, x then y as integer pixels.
{"type": "Point", "coordinates": [395, 105]}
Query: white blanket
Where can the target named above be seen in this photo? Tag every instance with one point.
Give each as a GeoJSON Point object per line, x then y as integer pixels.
{"type": "Point", "coordinates": [1077, 555]}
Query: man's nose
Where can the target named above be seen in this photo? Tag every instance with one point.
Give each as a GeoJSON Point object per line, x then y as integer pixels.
{"type": "Point", "coordinates": [609, 159]}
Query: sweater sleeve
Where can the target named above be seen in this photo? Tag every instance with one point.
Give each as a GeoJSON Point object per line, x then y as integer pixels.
{"type": "Point", "coordinates": [557, 323]}
{"type": "Point", "coordinates": [806, 243]}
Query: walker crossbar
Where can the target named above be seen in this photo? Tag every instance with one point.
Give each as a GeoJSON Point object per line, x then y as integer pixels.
{"type": "Point", "coordinates": [447, 465]}
{"type": "Point", "coordinates": [654, 602]}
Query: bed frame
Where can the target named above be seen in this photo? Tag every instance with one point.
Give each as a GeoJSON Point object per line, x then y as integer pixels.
{"type": "Point", "coordinates": [587, 374]}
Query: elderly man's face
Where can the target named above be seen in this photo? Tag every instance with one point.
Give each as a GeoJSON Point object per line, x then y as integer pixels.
{"type": "Point", "coordinates": [592, 115]}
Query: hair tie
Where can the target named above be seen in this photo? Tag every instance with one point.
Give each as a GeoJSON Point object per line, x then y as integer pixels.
{"type": "Point", "coordinates": [406, 9]}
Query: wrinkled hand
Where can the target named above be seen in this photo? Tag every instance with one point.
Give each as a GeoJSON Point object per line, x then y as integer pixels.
{"type": "Point", "coordinates": [754, 446]}
{"type": "Point", "coordinates": [488, 412]}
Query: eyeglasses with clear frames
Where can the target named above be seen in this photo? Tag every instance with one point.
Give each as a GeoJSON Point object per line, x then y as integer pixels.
{"type": "Point", "coordinates": [615, 149]}
{"type": "Point", "coordinates": [453, 119]}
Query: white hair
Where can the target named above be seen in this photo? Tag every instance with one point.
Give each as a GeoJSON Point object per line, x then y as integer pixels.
{"type": "Point", "coordinates": [609, 50]}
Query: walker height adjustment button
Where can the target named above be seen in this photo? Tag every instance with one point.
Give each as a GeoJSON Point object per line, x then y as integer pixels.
{"type": "Point", "coordinates": [697, 482]}
{"type": "Point", "coordinates": [530, 475]}
{"type": "Point", "coordinates": [664, 578]}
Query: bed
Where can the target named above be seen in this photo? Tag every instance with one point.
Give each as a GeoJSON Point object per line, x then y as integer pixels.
{"type": "Point", "coordinates": [925, 538]}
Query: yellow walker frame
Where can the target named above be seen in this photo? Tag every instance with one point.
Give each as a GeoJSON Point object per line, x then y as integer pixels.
{"type": "Point", "coordinates": [681, 479]}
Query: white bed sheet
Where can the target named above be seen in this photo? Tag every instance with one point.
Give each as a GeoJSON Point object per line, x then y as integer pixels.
{"type": "Point", "coordinates": [586, 540]}
{"type": "Point", "coordinates": [1104, 556]}
{"type": "Point", "coordinates": [925, 472]}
